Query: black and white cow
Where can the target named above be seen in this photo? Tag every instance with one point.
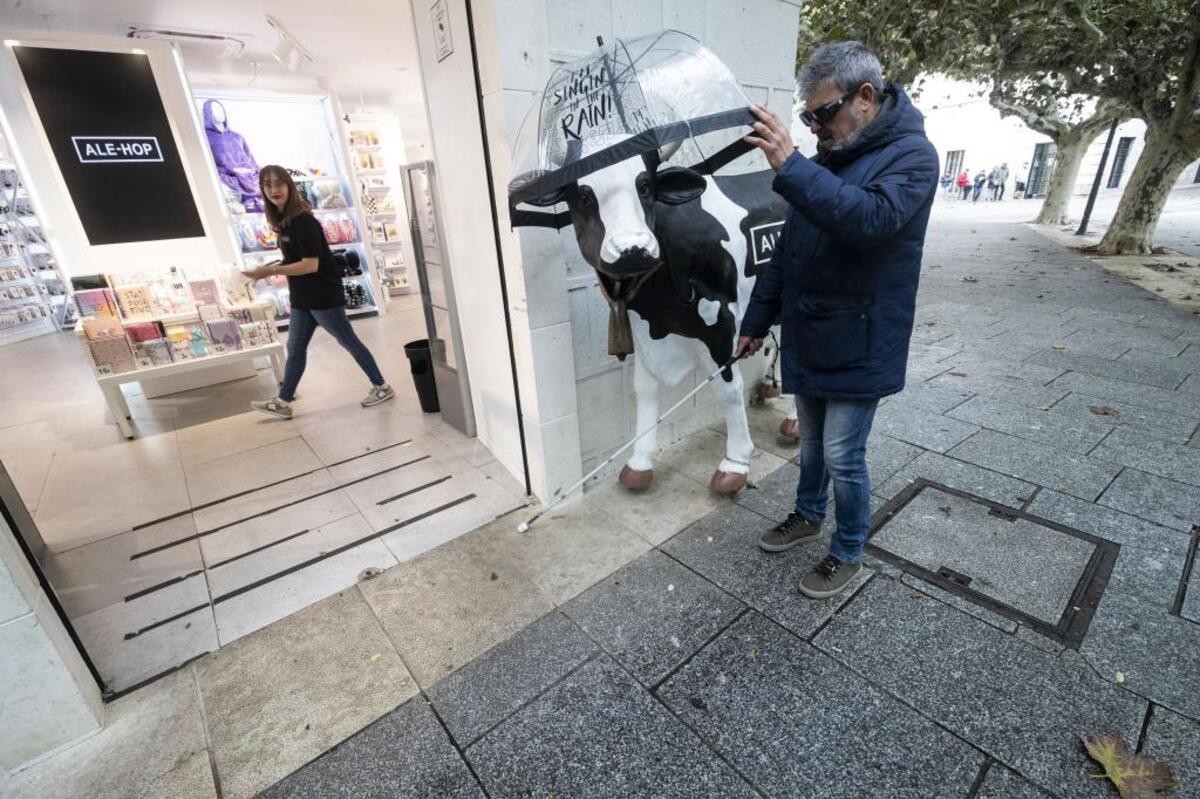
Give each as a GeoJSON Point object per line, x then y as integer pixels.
{"type": "Point", "coordinates": [677, 246]}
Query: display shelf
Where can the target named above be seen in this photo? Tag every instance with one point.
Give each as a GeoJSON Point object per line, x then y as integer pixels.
{"type": "Point", "coordinates": [10, 334]}
{"type": "Point", "coordinates": [386, 243]}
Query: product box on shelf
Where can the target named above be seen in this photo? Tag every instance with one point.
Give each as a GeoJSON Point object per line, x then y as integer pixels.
{"type": "Point", "coordinates": [95, 329]}
{"type": "Point", "coordinates": [111, 355]}
{"type": "Point", "coordinates": [205, 292]}
{"type": "Point", "coordinates": [150, 345]}
{"type": "Point", "coordinates": [225, 335]}
{"type": "Point", "coordinates": [97, 303]}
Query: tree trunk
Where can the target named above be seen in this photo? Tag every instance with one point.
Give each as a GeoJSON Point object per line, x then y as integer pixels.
{"type": "Point", "coordinates": [1158, 167]}
{"type": "Point", "coordinates": [1071, 148]}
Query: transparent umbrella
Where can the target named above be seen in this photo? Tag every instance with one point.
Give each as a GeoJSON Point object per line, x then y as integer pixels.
{"type": "Point", "coordinates": [662, 96]}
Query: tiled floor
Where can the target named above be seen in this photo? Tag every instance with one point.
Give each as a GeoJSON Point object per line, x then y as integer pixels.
{"type": "Point", "coordinates": [216, 521]}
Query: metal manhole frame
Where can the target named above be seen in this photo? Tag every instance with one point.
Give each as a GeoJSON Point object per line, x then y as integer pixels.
{"type": "Point", "coordinates": [1072, 625]}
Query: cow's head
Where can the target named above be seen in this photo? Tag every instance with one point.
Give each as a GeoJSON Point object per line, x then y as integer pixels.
{"type": "Point", "coordinates": [612, 210]}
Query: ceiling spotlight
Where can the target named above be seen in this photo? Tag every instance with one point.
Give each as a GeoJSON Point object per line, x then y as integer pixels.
{"type": "Point", "coordinates": [288, 51]}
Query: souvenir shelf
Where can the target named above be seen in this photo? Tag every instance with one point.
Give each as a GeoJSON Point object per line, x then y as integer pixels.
{"type": "Point", "coordinates": [154, 325]}
{"type": "Point", "coordinates": [383, 219]}
{"type": "Point", "coordinates": [258, 246]}
{"type": "Point", "coordinates": [33, 294]}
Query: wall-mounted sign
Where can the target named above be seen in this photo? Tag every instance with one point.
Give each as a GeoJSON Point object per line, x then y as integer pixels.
{"type": "Point", "coordinates": [443, 44]}
{"type": "Point", "coordinates": [104, 118]}
{"type": "Point", "coordinates": [763, 240]}
{"type": "Point", "coordinates": [117, 149]}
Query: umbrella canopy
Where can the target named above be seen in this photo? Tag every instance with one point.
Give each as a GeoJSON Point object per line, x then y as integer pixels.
{"type": "Point", "coordinates": [663, 96]}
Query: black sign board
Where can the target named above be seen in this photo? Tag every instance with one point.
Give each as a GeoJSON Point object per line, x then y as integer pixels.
{"type": "Point", "coordinates": [763, 240]}
{"type": "Point", "coordinates": [107, 127]}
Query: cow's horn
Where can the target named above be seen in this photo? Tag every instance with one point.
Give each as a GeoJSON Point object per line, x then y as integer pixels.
{"type": "Point", "coordinates": [667, 150]}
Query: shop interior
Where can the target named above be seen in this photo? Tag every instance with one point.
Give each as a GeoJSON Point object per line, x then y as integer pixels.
{"type": "Point", "coordinates": [168, 517]}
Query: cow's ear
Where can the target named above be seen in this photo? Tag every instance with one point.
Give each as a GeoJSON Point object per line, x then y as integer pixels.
{"type": "Point", "coordinates": [677, 185]}
{"type": "Point", "coordinates": [552, 198]}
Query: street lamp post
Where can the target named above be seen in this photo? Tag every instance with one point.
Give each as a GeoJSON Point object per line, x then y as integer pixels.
{"type": "Point", "coordinates": [1087, 211]}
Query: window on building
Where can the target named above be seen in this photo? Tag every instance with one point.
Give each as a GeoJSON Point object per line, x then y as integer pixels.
{"type": "Point", "coordinates": [1040, 169]}
{"type": "Point", "coordinates": [954, 162]}
{"type": "Point", "coordinates": [1118, 166]}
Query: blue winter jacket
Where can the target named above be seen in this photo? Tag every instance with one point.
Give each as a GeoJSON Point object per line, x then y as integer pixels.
{"type": "Point", "coordinates": [843, 280]}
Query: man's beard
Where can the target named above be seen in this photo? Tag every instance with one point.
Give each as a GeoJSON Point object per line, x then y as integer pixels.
{"type": "Point", "coordinates": [860, 124]}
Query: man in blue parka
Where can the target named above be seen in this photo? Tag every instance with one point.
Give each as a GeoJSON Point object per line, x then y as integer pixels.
{"type": "Point", "coordinates": [843, 285]}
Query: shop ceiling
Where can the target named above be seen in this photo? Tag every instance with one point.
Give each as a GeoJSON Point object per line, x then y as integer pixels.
{"type": "Point", "coordinates": [361, 47]}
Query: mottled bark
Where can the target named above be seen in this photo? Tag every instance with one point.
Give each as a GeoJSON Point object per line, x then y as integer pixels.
{"type": "Point", "coordinates": [1158, 167]}
{"type": "Point", "coordinates": [1071, 149]}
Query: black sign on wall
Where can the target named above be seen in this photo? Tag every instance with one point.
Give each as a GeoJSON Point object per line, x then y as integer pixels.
{"type": "Point", "coordinates": [109, 133]}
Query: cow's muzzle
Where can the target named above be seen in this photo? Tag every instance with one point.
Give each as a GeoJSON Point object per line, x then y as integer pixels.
{"type": "Point", "coordinates": [633, 262]}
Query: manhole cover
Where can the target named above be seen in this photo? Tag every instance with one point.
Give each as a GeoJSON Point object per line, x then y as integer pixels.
{"type": "Point", "coordinates": [1044, 575]}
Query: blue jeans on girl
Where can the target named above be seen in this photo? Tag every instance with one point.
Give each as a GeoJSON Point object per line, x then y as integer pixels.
{"type": "Point", "coordinates": [301, 326]}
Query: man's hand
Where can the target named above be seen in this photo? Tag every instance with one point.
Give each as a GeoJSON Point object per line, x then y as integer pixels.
{"type": "Point", "coordinates": [746, 347]}
{"type": "Point", "coordinates": [772, 138]}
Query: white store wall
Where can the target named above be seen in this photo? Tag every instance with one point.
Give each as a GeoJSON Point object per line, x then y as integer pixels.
{"type": "Point", "coordinates": [584, 403]}
{"type": "Point", "coordinates": [49, 193]}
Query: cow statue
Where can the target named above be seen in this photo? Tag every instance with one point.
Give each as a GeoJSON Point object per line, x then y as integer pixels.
{"type": "Point", "coordinates": [674, 254]}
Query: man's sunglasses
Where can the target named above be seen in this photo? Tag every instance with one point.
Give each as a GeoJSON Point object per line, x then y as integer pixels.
{"type": "Point", "coordinates": [824, 114]}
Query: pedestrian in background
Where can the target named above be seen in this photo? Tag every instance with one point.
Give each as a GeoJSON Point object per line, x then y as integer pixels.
{"type": "Point", "coordinates": [980, 179]}
{"type": "Point", "coordinates": [991, 184]}
{"type": "Point", "coordinates": [964, 184]}
{"type": "Point", "coordinates": [1001, 179]}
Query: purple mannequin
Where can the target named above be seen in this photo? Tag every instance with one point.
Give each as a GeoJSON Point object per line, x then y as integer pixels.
{"type": "Point", "coordinates": [235, 163]}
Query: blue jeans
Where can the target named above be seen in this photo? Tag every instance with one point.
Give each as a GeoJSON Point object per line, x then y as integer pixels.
{"type": "Point", "coordinates": [301, 326]}
{"type": "Point", "coordinates": [834, 445]}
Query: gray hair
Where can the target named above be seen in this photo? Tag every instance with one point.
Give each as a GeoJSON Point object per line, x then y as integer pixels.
{"type": "Point", "coordinates": [847, 65]}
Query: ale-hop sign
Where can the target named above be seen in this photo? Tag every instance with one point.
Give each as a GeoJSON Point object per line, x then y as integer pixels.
{"type": "Point", "coordinates": [763, 241]}
{"type": "Point", "coordinates": [117, 149]}
{"type": "Point", "coordinates": [104, 120]}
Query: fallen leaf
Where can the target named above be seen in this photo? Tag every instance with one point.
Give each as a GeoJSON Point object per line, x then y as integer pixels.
{"type": "Point", "coordinates": [369, 573]}
{"type": "Point", "coordinates": [495, 576]}
{"type": "Point", "coordinates": [1134, 776]}
{"type": "Point", "coordinates": [1103, 410]}
{"type": "Point", "coordinates": [958, 374]}
{"type": "Point", "coordinates": [376, 657]}
{"type": "Point", "coordinates": [1120, 676]}
{"type": "Point", "coordinates": [670, 587]}
{"type": "Point", "coordinates": [754, 653]}
{"type": "Point", "coordinates": [1058, 346]}
{"type": "Point", "coordinates": [970, 279]}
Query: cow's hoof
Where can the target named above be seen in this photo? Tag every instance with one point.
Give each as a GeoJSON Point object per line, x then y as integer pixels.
{"type": "Point", "coordinates": [727, 483]}
{"type": "Point", "coordinates": [789, 431]}
{"type": "Point", "coordinates": [636, 479]}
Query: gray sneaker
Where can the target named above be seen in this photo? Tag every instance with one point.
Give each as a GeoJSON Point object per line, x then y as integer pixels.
{"type": "Point", "coordinates": [378, 394]}
{"type": "Point", "coordinates": [828, 578]}
{"type": "Point", "coordinates": [795, 529]}
{"type": "Point", "coordinates": [274, 407]}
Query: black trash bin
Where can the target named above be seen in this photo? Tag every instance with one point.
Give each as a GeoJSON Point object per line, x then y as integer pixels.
{"type": "Point", "coordinates": [422, 374]}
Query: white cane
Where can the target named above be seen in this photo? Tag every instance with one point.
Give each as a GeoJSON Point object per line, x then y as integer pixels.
{"type": "Point", "coordinates": [524, 526]}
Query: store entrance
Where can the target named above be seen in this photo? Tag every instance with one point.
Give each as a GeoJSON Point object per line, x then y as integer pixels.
{"type": "Point", "coordinates": [172, 518]}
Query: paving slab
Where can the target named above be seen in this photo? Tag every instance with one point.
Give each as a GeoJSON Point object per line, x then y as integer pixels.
{"type": "Point", "coordinates": [955, 601]}
{"type": "Point", "coordinates": [1191, 385]}
{"type": "Point", "coordinates": [279, 697]}
{"type": "Point", "coordinates": [672, 502]}
{"type": "Point", "coordinates": [1151, 374]}
{"type": "Point", "coordinates": [1041, 464]}
{"type": "Point", "coordinates": [1069, 433]}
{"type": "Point", "coordinates": [652, 615]}
{"type": "Point", "coordinates": [598, 733]}
{"type": "Point", "coordinates": [1137, 394]}
{"type": "Point", "coordinates": [152, 744]}
{"type": "Point", "coordinates": [1155, 498]}
{"type": "Point", "coordinates": [404, 754]}
{"type": "Point", "coordinates": [1176, 739]}
{"type": "Point", "coordinates": [1163, 458]}
{"type": "Point", "coordinates": [496, 684]}
{"type": "Point", "coordinates": [1127, 416]}
{"type": "Point", "coordinates": [723, 548]}
{"type": "Point", "coordinates": [974, 364]}
{"type": "Point", "coordinates": [451, 604]}
{"type": "Point", "coordinates": [1023, 706]}
{"type": "Point", "coordinates": [935, 397]}
{"type": "Point", "coordinates": [1003, 389]}
{"type": "Point", "coordinates": [1129, 336]}
{"type": "Point", "coordinates": [923, 428]}
{"type": "Point", "coordinates": [778, 710]}
{"type": "Point", "coordinates": [1001, 783]}
{"type": "Point", "coordinates": [774, 496]}
{"type": "Point", "coordinates": [961, 475]}
{"type": "Point", "coordinates": [1024, 565]}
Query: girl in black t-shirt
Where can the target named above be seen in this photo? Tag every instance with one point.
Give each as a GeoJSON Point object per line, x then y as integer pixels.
{"type": "Point", "coordinates": [315, 287]}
